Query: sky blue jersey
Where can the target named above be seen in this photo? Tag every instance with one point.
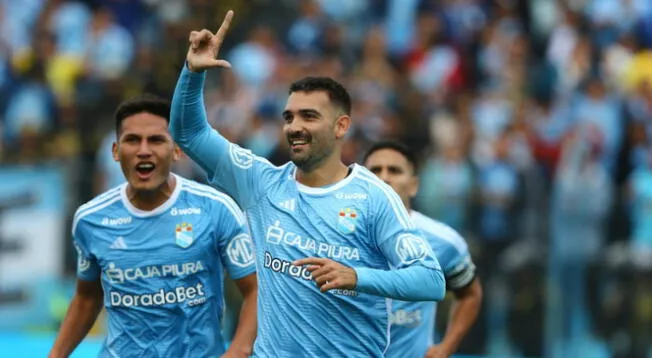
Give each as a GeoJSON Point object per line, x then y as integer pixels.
{"type": "Point", "coordinates": [358, 221]}
{"type": "Point", "coordinates": [162, 270]}
{"type": "Point", "coordinates": [413, 323]}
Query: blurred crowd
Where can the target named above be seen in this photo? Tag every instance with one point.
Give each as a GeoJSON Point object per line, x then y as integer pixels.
{"type": "Point", "coordinates": [532, 120]}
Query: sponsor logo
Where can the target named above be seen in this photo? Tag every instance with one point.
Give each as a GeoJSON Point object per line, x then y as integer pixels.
{"type": "Point", "coordinates": [241, 250]}
{"type": "Point", "coordinates": [117, 221]}
{"type": "Point", "coordinates": [184, 235]}
{"type": "Point", "coordinates": [193, 296]}
{"type": "Point", "coordinates": [346, 220]}
{"type": "Point", "coordinates": [118, 275]}
{"type": "Point", "coordinates": [185, 211]}
{"type": "Point", "coordinates": [286, 267]}
{"type": "Point", "coordinates": [411, 248]}
{"type": "Point", "coordinates": [82, 263]}
{"type": "Point", "coordinates": [241, 157]}
{"type": "Point", "coordinates": [276, 235]}
{"type": "Point", "coordinates": [351, 196]}
{"type": "Point", "coordinates": [288, 204]}
{"type": "Point", "coordinates": [118, 244]}
{"type": "Point", "coordinates": [405, 318]}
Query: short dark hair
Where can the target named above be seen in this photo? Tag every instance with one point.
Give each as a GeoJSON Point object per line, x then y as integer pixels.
{"type": "Point", "coordinates": [394, 145]}
{"type": "Point", "coordinates": [147, 102]}
{"type": "Point", "coordinates": [336, 92]}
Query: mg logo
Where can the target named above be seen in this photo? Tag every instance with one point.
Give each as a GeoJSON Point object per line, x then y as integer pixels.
{"type": "Point", "coordinates": [410, 248]}
{"type": "Point", "coordinates": [241, 250]}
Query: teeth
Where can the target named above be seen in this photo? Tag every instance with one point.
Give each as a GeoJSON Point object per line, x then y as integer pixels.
{"type": "Point", "coordinates": [298, 142]}
{"type": "Point", "coordinates": [146, 166]}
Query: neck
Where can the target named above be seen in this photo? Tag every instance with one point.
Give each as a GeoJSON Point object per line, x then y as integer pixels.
{"type": "Point", "coordinates": [328, 173]}
{"type": "Point", "coordinates": [152, 199]}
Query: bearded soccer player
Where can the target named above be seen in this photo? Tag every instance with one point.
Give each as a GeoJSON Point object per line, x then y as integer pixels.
{"type": "Point", "coordinates": [152, 253]}
{"type": "Point", "coordinates": [413, 323]}
{"type": "Point", "coordinates": [333, 242]}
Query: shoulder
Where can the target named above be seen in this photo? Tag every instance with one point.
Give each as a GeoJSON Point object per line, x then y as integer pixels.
{"type": "Point", "coordinates": [443, 234]}
{"type": "Point", "coordinates": [95, 207]}
{"type": "Point", "coordinates": [378, 190]}
{"type": "Point", "coordinates": [211, 198]}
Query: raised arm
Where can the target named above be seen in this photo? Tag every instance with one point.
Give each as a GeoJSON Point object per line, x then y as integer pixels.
{"type": "Point", "coordinates": [229, 167]}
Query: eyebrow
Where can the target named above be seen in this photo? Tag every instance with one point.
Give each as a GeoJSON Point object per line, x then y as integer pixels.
{"type": "Point", "coordinates": [303, 112]}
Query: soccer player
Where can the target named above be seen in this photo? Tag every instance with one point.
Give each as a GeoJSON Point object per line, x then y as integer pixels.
{"type": "Point", "coordinates": [152, 252]}
{"type": "Point", "coordinates": [332, 241]}
{"type": "Point", "coordinates": [413, 323]}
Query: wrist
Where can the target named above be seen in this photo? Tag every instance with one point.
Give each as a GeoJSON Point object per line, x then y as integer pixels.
{"type": "Point", "coordinates": [192, 69]}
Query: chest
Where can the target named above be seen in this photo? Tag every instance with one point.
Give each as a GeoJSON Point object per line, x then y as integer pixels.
{"type": "Point", "coordinates": [336, 226]}
{"type": "Point", "coordinates": [170, 243]}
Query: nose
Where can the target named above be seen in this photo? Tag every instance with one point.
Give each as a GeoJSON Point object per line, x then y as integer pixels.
{"type": "Point", "coordinates": [143, 149]}
{"type": "Point", "coordinates": [384, 175]}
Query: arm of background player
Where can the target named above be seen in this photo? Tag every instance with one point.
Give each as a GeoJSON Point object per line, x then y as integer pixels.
{"type": "Point", "coordinates": [245, 335]}
{"type": "Point", "coordinates": [81, 315]}
{"type": "Point", "coordinates": [229, 167]}
{"type": "Point", "coordinates": [416, 274]}
{"type": "Point", "coordinates": [463, 313]}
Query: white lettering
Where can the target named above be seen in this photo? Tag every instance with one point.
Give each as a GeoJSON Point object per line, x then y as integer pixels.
{"type": "Point", "coordinates": [194, 295]}
{"type": "Point", "coordinates": [186, 211]}
{"type": "Point", "coordinates": [277, 235]}
{"type": "Point", "coordinates": [116, 221]}
{"type": "Point", "coordinates": [286, 267]}
{"type": "Point", "coordinates": [118, 275]}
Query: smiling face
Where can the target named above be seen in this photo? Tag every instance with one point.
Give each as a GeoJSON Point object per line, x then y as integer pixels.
{"type": "Point", "coordinates": [145, 151]}
{"type": "Point", "coordinates": [313, 127]}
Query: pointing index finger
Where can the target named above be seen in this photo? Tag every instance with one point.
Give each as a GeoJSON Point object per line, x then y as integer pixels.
{"type": "Point", "coordinates": [221, 32]}
{"type": "Point", "coordinates": [310, 261]}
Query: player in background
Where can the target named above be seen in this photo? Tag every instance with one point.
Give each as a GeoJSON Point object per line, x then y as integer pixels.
{"type": "Point", "coordinates": [332, 241]}
{"type": "Point", "coordinates": [152, 251]}
{"type": "Point", "coordinates": [413, 323]}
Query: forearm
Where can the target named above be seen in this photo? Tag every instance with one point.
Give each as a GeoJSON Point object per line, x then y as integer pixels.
{"type": "Point", "coordinates": [79, 320]}
{"type": "Point", "coordinates": [243, 339]}
{"type": "Point", "coordinates": [189, 124]}
{"type": "Point", "coordinates": [463, 313]}
{"type": "Point", "coordinates": [413, 283]}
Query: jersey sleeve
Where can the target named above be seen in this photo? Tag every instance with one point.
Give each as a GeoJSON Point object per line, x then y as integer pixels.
{"type": "Point", "coordinates": [415, 274]}
{"type": "Point", "coordinates": [87, 267]}
{"type": "Point", "coordinates": [233, 241]}
{"type": "Point", "coordinates": [230, 168]}
{"type": "Point", "coordinates": [397, 236]}
{"type": "Point", "coordinates": [457, 264]}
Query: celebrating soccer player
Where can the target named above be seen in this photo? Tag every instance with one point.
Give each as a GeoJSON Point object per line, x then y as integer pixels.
{"type": "Point", "coordinates": [152, 252]}
{"type": "Point", "coordinates": [413, 323]}
{"type": "Point", "coordinates": [332, 241]}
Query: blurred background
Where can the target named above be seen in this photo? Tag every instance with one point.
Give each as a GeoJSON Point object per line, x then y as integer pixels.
{"type": "Point", "coordinates": [532, 119]}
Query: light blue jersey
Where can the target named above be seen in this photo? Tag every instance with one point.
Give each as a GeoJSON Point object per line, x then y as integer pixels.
{"type": "Point", "coordinates": [413, 323]}
{"type": "Point", "coordinates": [162, 270]}
{"type": "Point", "coordinates": [358, 221]}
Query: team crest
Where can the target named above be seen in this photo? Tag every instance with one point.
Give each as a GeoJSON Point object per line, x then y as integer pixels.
{"type": "Point", "coordinates": [346, 220]}
{"type": "Point", "coordinates": [184, 235]}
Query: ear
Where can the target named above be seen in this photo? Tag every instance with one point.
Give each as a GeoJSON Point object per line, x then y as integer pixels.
{"type": "Point", "coordinates": [176, 153]}
{"type": "Point", "coordinates": [342, 125]}
{"type": "Point", "coordinates": [114, 150]}
{"type": "Point", "coordinates": [414, 186]}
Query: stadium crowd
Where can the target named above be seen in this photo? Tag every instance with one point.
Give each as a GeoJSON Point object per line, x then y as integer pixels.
{"type": "Point", "coordinates": [533, 121]}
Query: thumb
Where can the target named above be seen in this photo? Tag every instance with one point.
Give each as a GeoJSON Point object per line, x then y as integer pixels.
{"type": "Point", "coordinates": [220, 63]}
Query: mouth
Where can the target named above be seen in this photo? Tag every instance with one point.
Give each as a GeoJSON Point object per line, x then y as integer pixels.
{"type": "Point", "coordinates": [145, 170]}
{"type": "Point", "coordinates": [297, 144]}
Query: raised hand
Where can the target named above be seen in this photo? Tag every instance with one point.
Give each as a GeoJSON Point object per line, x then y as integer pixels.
{"type": "Point", "coordinates": [205, 47]}
{"type": "Point", "coordinates": [329, 274]}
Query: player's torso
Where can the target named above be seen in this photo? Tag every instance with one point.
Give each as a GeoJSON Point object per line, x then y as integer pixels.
{"type": "Point", "coordinates": [162, 279]}
{"type": "Point", "coordinates": [413, 323]}
{"type": "Point", "coordinates": [289, 224]}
